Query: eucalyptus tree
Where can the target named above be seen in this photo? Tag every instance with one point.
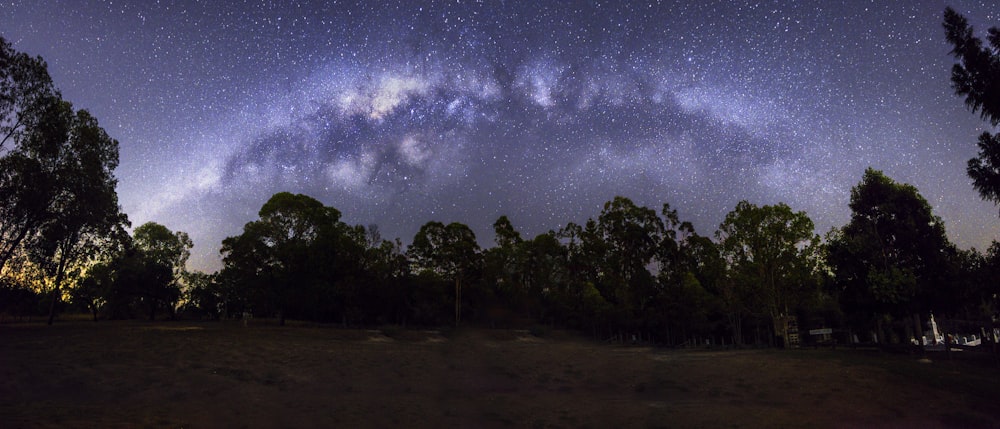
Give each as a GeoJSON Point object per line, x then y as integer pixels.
{"type": "Point", "coordinates": [450, 252]}
{"type": "Point", "coordinates": [290, 253]}
{"type": "Point", "coordinates": [163, 255]}
{"type": "Point", "coordinates": [504, 266]}
{"type": "Point", "coordinates": [84, 214]}
{"type": "Point", "coordinates": [893, 257]}
{"type": "Point", "coordinates": [33, 120]}
{"type": "Point", "coordinates": [770, 251]}
{"type": "Point", "coordinates": [58, 202]}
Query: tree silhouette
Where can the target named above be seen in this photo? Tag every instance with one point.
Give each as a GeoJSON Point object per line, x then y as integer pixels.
{"type": "Point", "coordinates": [164, 255]}
{"type": "Point", "coordinates": [84, 212]}
{"type": "Point", "coordinates": [768, 248]}
{"type": "Point", "coordinates": [448, 251]}
{"type": "Point", "coordinates": [58, 202]}
{"type": "Point", "coordinates": [977, 78]}
{"type": "Point", "coordinates": [893, 258]}
{"type": "Point", "coordinates": [30, 122]}
{"type": "Point", "coordinates": [275, 258]}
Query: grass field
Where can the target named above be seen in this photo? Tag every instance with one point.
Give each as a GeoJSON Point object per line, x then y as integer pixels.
{"type": "Point", "coordinates": [213, 375]}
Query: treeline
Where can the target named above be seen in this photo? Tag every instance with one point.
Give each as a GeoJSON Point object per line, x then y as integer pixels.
{"type": "Point", "coordinates": [631, 271]}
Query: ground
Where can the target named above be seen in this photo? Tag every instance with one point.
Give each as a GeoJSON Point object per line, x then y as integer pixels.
{"type": "Point", "coordinates": [194, 375]}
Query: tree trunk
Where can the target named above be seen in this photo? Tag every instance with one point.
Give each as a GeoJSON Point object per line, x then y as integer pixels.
{"type": "Point", "coordinates": [11, 246]}
{"type": "Point", "coordinates": [458, 299]}
{"type": "Point", "coordinates": [56, 290]}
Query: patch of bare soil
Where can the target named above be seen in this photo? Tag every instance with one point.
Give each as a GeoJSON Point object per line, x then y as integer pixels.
{"type": "Point", "coordinates": [191, 375]}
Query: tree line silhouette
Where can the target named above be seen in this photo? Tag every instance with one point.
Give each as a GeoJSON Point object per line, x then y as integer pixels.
{"type": "Point", "coordinates": [632, 271]}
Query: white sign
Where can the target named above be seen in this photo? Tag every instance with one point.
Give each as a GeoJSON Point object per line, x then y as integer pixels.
{"type": "Point", "coordinates": [820, 331]}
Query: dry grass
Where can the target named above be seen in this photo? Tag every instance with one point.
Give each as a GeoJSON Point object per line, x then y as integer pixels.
{"type": "Point", "coordinates": [190, 375]}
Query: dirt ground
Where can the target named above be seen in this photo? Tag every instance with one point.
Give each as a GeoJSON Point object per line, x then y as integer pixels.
{"type": "Point", "coordinates": [221, 375]}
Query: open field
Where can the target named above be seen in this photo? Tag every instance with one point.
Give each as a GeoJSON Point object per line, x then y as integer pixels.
{"type": "Point", "coordinates": [194, 375]}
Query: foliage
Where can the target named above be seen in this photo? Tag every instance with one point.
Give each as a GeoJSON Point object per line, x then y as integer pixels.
{"type": "Point", "coordinates": [58, 203]}
{"type": "Point", "coordinates": [977, 78]}
{"type": "Point", "coordinates": [204, 296]}
{"type": "Point", "coordinates": [449, 252]}
{"type": "Point", "coordinates": [770, 252]}
{"type": "Point", "coordinates": [33, 121]}
{"type": "Point", "coordinates": [162, 254]}
{"type": "Point", "coordinates": [893, 257]}
{"type": "Point", "coordinates": [297, 259]}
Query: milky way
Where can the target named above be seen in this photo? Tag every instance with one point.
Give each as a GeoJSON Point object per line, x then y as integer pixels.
{"type": "Point", "coordinates": [398, 113]}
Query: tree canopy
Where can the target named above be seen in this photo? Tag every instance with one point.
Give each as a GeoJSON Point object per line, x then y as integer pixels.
{"type": "Point", "coordinates": [976, 77]}
{"type": "Point", "coordinates": [893, 257]}
{"type": "Point", "coordinates": [58, 203]}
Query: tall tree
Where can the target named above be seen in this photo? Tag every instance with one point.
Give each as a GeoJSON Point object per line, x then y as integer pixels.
{"type": "Point", "coordinates": [57, 185]}
{"type": "Point", "coordinates": [893, 258]}
{"type": "Point", "coordinates": [164, 255]}
{"type": "Point", "coordinates": [504, 265]}
{"type": "Point", "coordinates": [976, 77]}
{"type": "Point", "coordinates": [33, 121]}
{"type": "Point", "coordinates": [32, 174]}
{"type": "Point", "coordinates": [296, 246]}
{"type": "Point", "coordinates": [768, 248]}
{"type": "Point", "coordinates": [633, 235]}
{"type": "Point", "coordinates": [450, 252]}
{"type": "Point", "coordinates": [543, 269]}
{"type": "Point", "coordinates": [84, 213]}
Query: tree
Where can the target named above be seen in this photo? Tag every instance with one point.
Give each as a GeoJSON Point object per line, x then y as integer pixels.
{"type": "Point", "coordinates": [29, 107]}
{"type": "Point", "coordinates": [632, 234]}
{"type": "Point", "coordinates": [504, 268]}
{"type": "Point", "coordinates": [450, 252]}
{"type": "Point", "coordinates": [768, 249]}
{"type": "Point", "coordinates": [246, 271]}
{"type": "Point", "coordinates": [57, 186]}
{"type": "Point", "coordinates": [987, 291]}
{"type": "Point", "coordinates": [631, 237]}
{"type": "Point", "coordinates": [164, 255]}
{"type": "Point", "coordinates": [285, 259]}
{"type": "Point", "coordinates": [977, 78]}
{"type": "Point", "coordinates": [25, 88]}
{"type": "Point", "coordinates": [385, 269]}
{"type": "Point", "coordinates": [204, 295]}
{"type": "Point", "coordinates": [84, 214]}
{"type": "Point", "coordinates": [543, 271]}
{"type": "Point", "coordinates": [94, 288]}
{"type": "Point", "coordinates": [893, 258]}
{"type": "Point", "coordinates": [674, 260]}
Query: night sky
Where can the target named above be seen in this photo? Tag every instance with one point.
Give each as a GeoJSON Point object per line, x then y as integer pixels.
{"type": "Point", "coordinates": [398, 113]}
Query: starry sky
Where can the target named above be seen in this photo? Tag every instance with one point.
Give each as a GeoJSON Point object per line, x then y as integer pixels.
{"type": "Point", "coordinates": [398, 113]}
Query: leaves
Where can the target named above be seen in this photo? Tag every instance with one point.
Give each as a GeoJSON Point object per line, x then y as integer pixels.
{"type": "Point", "coordinates": [448, 251]}
{"type": "Point", "coordinates": [977, 76]}
{"type": "Point", "coordinates": [893, 255]}
{"type": "Point", "coordinates": [770, 250]}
